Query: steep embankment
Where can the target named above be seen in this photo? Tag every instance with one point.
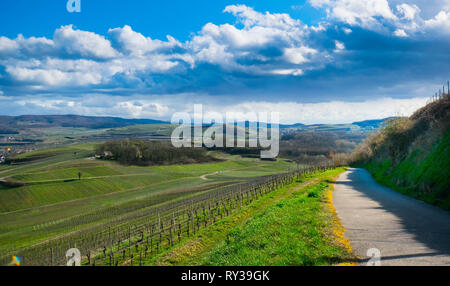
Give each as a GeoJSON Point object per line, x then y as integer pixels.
{"type": "Point", "coordinates": [412, 155]}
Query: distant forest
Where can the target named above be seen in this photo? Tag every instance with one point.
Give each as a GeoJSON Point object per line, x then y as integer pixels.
{"type": "Point", "coordinates": [144, 153]}
{"type": "Point", "coordinates": [319, 147]}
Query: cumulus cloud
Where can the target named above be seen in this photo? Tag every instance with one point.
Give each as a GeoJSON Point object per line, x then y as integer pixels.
{"type": "Point", "coordinates": [440, 22]}
{"type": "Point", "coordinates": [400, 33]}
{"type": "Point", "coordinates": [258, 44]}
{"type": "Point", "coordinates": [7, 46]}
{"type": "Point", "coordinates": [128, 41]}
{"type": "Point", "coordinates": [355, 12]}
{"type": "Point", "coordinates": [361, 46]}
{"type": "Point", "coordinates": [298, 55]}
{"type": "Point", "coordinates": [409, 12]}
{"type": "Point", "coordinates": [82, 43]}
{"type": "Point", "coordinates": [78, 58]}
{"type": "Point", "coordinates": [52, 77]}
{"type": "Point", "coordinates": [401, 19]}
{"type": "Point", "coordinates": [266, 43]}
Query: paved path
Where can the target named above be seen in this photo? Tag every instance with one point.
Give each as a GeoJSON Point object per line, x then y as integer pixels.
{"type": "Point", "coordinates": [406, 231]}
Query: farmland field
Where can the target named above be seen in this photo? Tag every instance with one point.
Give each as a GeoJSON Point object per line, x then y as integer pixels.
{"type": "Point", "coordinates": [49, 199]}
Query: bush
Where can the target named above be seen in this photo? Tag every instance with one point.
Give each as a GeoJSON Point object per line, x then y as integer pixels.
{"type": "Point", "coordinates": [11, 183]}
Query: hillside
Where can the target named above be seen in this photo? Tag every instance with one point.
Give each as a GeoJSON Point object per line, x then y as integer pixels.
{"type": "Point", "coordinates": [372, 124]}
{"type": "Point", "coordinates": [44, 121]}
{"type": "Point", "coordinates": [363, 126]}
{"type": "Point", "coordinates": [412, 155]}
{"type": "Point", "coordinates": [17, 124]}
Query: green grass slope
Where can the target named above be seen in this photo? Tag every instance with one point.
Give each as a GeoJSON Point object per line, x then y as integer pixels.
{"type": "Point", "coordinates": [425, 178]}
{"type": "Point", "coordinates": [293, 225]}
{"type": "Point", "coordinates": [412, 155]}
{"type": "Point", "coordinates": [52, 201]}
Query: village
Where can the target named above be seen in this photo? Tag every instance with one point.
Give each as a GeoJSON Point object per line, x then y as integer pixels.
{"type": "Point", "coordinates": [6, 152]}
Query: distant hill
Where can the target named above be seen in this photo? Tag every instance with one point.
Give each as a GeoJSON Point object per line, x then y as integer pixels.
{"type": "Point", "coordinates": [365, 126]}
{"type": "Point", "coordinates": [4, 129]}
{"type": "Point", "coordinates": [13, 124]}
{"type": "Point", "coordinates": [291, 125]}
{"type": "Point", "coordinates": [10, 124]}
{"type": "Point", "coordinates": [372, 124]}
{"type": "Point", "coordinates": [412, 155]}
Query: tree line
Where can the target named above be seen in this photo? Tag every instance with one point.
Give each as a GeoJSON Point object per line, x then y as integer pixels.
{"type": "Point", "coordinates": [144, 153]}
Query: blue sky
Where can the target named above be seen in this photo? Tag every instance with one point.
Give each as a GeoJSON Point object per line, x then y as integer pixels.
{"type": "Point", "coordinates": [154, 18]}
{"type": "Point", "coordinates": [314, 61]}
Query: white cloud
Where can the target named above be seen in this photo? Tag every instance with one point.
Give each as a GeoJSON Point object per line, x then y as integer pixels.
{"type": "Point", "coordinates": [142, 110]}
{"type": "Point", "coordinates": [412, 23]}
{"type": "Point", "coordinates": [249, 17]}
{"type": "Point", "coordinates": [208, 47]}
{"type": "Point", "coordinates": [35, 46]}
{"type": "Point", "coordinates": [377, 15]}
{"type": "Point", "coordinates": [356, 12]}
{"type": "Point", "coordinates": [409, 12]}
{"type": "Point", "coordinates": [266, 44]}
{"type": "Point", "coordinates": [334, 111]}
{"type": "Point", "coordinates": [7, 46]}
{"type": "Point", "coordinates": [92, 60]}
{"type": "Point", "coordinates": [132, 42]}
{"type": "Point", "coordinates": [258, 44]}
{"type": "Point", "coordinates": [339, 46]}
{"type": "Point", "coordinates": [263, 39]}
{"type": "Point", "coordinates": [53, 77]}
{"type": "Point", "coordinates": [347, 30]}
{"type": "Point", "coordinates": [429, 8]}
{"type": "Point", "coordinates": [61, 72]}
{"type": "Point", "coordinates": [440, 22]}
{"type": "Point", "coordinates": [82, 43]}
{"type": "Point", "coordinates": [400, 33]}
{"type": "Point", "coordinates": [294, 72]}
{"type": "Point", "coordinates": [298, 55]}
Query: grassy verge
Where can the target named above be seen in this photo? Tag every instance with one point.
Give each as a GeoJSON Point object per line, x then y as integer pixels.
{"type": "Point", "coordinates": [421, 174]}
{"type": "Point", "coordinates": [294, 225]}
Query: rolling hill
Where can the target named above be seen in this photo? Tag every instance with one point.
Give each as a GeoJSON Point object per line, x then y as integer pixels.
{"type": "Point", "coordinates": [92, 122]}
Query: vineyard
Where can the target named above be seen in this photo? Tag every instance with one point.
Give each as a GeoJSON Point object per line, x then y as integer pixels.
{"type": "Point", "coordinates": [135, 233]}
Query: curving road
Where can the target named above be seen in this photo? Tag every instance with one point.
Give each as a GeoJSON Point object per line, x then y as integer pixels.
{"type": "Point", "coordinates": [406, 231]}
